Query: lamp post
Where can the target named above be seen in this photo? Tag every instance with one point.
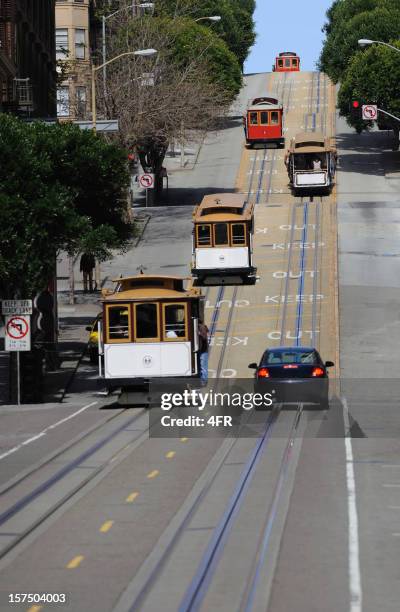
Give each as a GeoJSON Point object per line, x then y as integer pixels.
{"type": "Point", "coordinates": [141, 53]}
{"type": "Point", "coordinates": [104, 19]}
{"type": "Point", "coordinates": [212, 18]}
{"type": "Point", "coordinates": [363, 42]}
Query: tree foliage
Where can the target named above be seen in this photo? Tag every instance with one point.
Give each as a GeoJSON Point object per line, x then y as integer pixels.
{"type": "Point", "coordinates": [350, 20]}
{"type": "Point", "coordinates": [372, 77]}
{"type": "Point", "coordinates": [60, 189]}
{"type": "Point", "coordinates": [236, 26]}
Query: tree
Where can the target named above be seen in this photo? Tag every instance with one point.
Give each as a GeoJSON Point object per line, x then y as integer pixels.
{"type": "Point", "coordinates": [48, 175]}
{"type": "Point", "coordinates": [236, 26]}
{"type": "Point", "coordinates": [178, 95]}
{"type": "Point", "coordinates": [350, 20]}
{"type": "Point", "coordinates": [372, 77]}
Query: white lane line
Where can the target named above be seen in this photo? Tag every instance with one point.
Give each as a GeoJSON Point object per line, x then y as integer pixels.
{"type": "Point", "coordinates": [43, 433]}
{"type": "Point", "coordinates": [391, 486]}
{"type": "Point", "coordinates": [353, 534]}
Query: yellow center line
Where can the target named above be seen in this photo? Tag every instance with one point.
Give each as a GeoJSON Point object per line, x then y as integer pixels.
{"type": "Point", "coordinates": [35, 608]}
{"type": "Point", "coordinates": [75, 562]}
{"type": "Point", "coordinates": [131, 497]}
{"type": "Point", "coordinates": [183, 439]}
{"type": "Point", "coordinates": [170, 454]}
{"type": "Point", "coordinates": [153, 474]}
{"type": "Point", "coordinates": [106, 526]}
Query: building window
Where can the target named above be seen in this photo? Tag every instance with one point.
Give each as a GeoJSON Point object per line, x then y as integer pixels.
{"type": "Point", "coordinates": [61, 43]}
{"type": "Point", "coordinates": [80, 44]}
{"type": "Point", "coordinates": [62, 101]}
{"type": "Point", "coordinates": [81, 101]}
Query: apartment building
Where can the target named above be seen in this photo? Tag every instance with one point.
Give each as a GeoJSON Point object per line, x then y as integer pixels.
{"type": "Point", "coordinates": [73, 50]}
{"type": "Point", "coordinates": [27, 57]}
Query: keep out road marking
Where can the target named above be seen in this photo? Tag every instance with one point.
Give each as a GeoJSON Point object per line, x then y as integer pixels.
{"type": "Point", "coordinates": [153, 474]}
{"type": "Point", "coordinates": [170, 454]}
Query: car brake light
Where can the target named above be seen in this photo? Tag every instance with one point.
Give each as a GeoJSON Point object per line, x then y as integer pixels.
{"type": "Point", "coordinates": [317, 372]}
{"type": "Point", "coordinates": [263, 373]}
{"type": "Point", "coordinates": [290, 367]}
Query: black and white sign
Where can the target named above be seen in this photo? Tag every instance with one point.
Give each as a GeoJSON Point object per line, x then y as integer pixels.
{"type": "Point", "coordinates": [16, 307]}
{"type": "Point", "coordinates": [369, 112]}
{"type": "Point", "coordinates": [18, 333]}
{"type": "Point", "coordinates": [146, 180]}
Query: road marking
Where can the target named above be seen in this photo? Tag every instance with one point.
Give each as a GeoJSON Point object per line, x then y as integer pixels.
{"type": "Point", "coordinates": [353, 535]}
{"type": "Point", "coordinates": [397, 535]}
{"type": "Point", "coordinates": [391, 486]}
{"type": "Point", "coordinates": [183, 439]}
{"type": "Point", "coordinates": [131, 497]}
{"type": "Point", "coordinates": [170, 454]}
{"type": "Point", "coordinates": [75, 562]}
{"type": "Point", "coordinates": [43, 433]}
{"type": "Point", "coordinates": [35, 608]}
{"type": "Point", "coordinates": [394, 507]}
{"type": "Point", "coordinates": [106, 526]}
{"type": "Point", "coordinates": [153, 474]}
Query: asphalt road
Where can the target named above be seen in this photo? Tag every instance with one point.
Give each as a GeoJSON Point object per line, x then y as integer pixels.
{"type": "Point", "coordinates": [298, 517]}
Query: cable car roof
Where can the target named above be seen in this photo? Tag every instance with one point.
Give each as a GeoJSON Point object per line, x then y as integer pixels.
{"type": "Point", "coordinates": [310, 142]}
{"type": "Point", "coordinates": [287, 53]}
{"type": "Point", "coordinates": [264, 103]}
{"type": "Point", "coordinates": [223, 207]}
{"type": "Point", "coordinates": [151, 287]}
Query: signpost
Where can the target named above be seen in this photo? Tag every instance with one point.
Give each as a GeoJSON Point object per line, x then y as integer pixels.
{"type": "Point", "coordinates": [17, 331]}
{"type": "Point", "coordinates": [369, 112]}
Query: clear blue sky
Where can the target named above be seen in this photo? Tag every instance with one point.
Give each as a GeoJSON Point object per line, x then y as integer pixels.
{"type": "Point", "coordinates": [287, 25]}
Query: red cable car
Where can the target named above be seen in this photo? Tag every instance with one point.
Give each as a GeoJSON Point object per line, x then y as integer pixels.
{"type": "Point", "coordinates": [286, 62]}
{"type": "Point", "coordinates": [263, 122]}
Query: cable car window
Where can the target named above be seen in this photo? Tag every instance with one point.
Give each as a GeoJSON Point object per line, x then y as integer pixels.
{"type": "Point", "coordinates": [118, 323]}
{"type": "Point", "coordinates": [221, 234]}
{"type": "Point", "coordinates": [287, 62]}
{"type": "Point", "coordinates": [294, 62]}
{"type": "Point", "coordinates": [203, 234]}
{"type": "Point", "coordinates": [253, 119]}
{"type": "Point", "coordinates": [274, 118]}
{"type": "Point", "coordinates": [174, 322]}
{"type": "Point", "coordinates": [146, 322]}
{"type": "Point", "coordinates": [238, 234]}
{"type": "Point", "coordinates": [280, 63]}
{"type": "Point", "coordinates": [264, 118]}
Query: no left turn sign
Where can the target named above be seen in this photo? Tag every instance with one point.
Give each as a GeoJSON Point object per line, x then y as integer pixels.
{"type": "Point", "coordinates": [369, 112]}
{"type": "Point", "coordinates": [146, 181]}
{"type": "Point", "coordinates": [17, 336]}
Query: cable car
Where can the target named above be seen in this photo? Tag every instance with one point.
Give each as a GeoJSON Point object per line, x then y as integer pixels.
{"type": "Point", "coordinates": [150, 331]}
{"type": "Point", "coordinates": [287, 62]}
{"type": "Point", "coordinates": [311, 162]}
{"type": "Point", "coordinates": [263, 122]}
{"type": "Point", "coordinates": [223, 241]}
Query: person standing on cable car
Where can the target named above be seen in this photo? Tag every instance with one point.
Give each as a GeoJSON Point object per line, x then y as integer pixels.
{"type": "Point", "coordinates": [203, 352]}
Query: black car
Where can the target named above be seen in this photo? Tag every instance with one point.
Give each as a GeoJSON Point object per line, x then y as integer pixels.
{"type": "Point", "coordinates": [293, 374]}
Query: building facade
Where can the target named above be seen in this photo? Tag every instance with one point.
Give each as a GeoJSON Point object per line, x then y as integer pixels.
{"type": "Point", "coordinates": [27, 57]}
{"type": "Point", "coordinates": [73, 53]}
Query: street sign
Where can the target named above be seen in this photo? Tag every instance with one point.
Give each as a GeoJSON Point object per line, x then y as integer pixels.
{"type": "Point", "coordinates": [146, 181]}
{"type": "Point", "coordinates": [16, 307]}
{"type": "Point", "coordinates": [369, 112]}
{"type": "Point", "coordinates": [18, 333]}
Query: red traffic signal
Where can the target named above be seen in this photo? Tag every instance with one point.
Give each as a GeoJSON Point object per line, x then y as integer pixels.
{"type": "Point", "coordinates": [356, 104]}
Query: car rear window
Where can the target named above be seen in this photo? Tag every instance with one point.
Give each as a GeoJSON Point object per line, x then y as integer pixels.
{"type": "Point", "coordinates": [279, 357]}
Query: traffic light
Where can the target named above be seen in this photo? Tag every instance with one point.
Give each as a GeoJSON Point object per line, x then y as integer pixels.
{"type": "Point", "coordinates": [356, 104]}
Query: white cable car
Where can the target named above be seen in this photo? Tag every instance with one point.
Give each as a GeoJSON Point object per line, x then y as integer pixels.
{"type": "Point", "coordinates": [311, 163]}
{"type": "Point", "coordinates": [222, 252]}
{"type": "Point", "coordinates": [150, 331]}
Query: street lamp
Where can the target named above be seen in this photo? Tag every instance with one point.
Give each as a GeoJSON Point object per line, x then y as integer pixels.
{"type": "Point", "coordinates": [140, 52]}
{"type": "Point", "coordinates": [104, 19]}
{"type": "Point", "coordinates": [363, 42]}
{"type": "Point", "coordinates": [212, 18]}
